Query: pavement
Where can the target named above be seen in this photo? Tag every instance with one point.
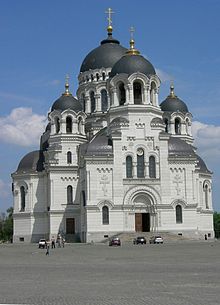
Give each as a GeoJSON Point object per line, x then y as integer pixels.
{"type": "Point", "coordinates": [185, 273]}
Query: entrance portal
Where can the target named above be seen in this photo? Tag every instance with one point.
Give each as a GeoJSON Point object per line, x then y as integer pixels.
{"type": "Point", "coordinates": [70, 225]}
{"type": "Point", "coordinates": [142, 222]}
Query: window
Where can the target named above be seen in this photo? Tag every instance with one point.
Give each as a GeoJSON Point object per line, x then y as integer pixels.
{"type": "Point", "coordinates": [69, 124]}
{"type": "Point", "coordinates": [122, 95]}
{"type": "Point", "coordinates": [166, 125]}
{"type": "Point", "coordinates": [83, 102]}
{"type": "Point", "coordinates": [105, 215]}
{"type": "Point", "coordinates": [137, 93]}
{"type": "Point", "coordinates": [80, 125]}
{"type": "Point", "coordinates": [92, 101]}
{"type": "Point", "coordinates": [69, 194]}
{"type": "Point", "coordinates": [57, 124]}
{"type": "Point", "coordinates": [22, 193]}
{"type": "Point", "coordinates": [97, 76]}
{"type": "Point", "coordinates": [177, 126]}
{"type": "Point", "coordinates": [103, 75]}
{"type": "Point", "coordinates": [187, 126]}
{"type": "Point", "coordinates": [129, 167]}
{"type": "Point", "coordinates": [179, 217]}
{"type": "Point", "coordinates": [104, 100]}
{"type": "Point", "coordinates": [152, 93]}
{"type": "Point", "coordinates": [92, 77]}
{"type": "Point", "coordinates": [84, 198]}
{"type": "Point", "coordinates": [206, 190]}
{"type": "Point", "coordinates": [69, 157]}
{"type": "Point", "coordinates": [152, 167]}
{"type": "Point", "coordinates": [140, 163]}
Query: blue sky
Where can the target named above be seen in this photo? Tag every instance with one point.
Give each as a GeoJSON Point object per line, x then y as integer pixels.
{"type": "Point", "coordinates": [41, 41]}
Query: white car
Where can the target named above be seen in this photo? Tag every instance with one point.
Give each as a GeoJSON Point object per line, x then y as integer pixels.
{"type": "Point", "coordinates": [156, 240]}
{"type": "Point", "coordinates": [42, 243]}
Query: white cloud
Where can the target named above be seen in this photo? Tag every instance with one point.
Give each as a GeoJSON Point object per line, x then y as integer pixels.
{"type": "Point", "coordinates": [164, 77]}
{"type": "Point", "coordinates": [4, 189]}
{"type": "Point", "coordinates": [206, 136]}
{"type": "Point", "coordinates": [22, 127]}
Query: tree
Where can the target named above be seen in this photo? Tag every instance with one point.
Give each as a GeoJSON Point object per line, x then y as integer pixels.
{"type": "Point", "coordinates": [216, 219]}
{"type": "Point", "coordinates": [6, 225]}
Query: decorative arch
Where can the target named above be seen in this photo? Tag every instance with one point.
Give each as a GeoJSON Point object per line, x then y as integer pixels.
{"type": "Point", "coordinates": [103, 203]}
{"type": "Point", "coordinates": [134, 191]}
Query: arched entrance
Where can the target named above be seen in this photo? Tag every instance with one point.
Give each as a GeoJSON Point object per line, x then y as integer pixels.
{"type": "Point", "coordinates": [144, 211]}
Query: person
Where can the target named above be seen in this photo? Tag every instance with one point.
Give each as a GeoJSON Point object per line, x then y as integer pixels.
{"type": "Point", "coordinates": [205, 236]}
{"type": "Point", "coordinates": [48, 248]}
{"type": "Point", "coordinates": [59, 241]}
{"type": "Point", "coordinates": [63, 242]}
{"type": "Point", "coordinates": [53, 246]}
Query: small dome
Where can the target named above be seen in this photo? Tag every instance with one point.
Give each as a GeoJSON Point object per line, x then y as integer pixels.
{"type": "Point", "coordinates": [104, 56]}
{"type": "Point", "coordinates": [100, 144]}
{"type": "Point", "coordinates": [178, 147]}
{"type": "Point", "coordinates": [67, 101]}
{"type": "Point", "coordinates": [201, 165]}
{"type": "Point", "coordinates": [172, 103]}
{"type": "Point", "coordinates": [130, 64]}
{"type": "Point", "coordinates": [33, 161]}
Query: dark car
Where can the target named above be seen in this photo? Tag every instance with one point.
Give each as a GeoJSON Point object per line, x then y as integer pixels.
{"type": "Point", "coordinates": [115, 241]}
{"type": "Point", "coordinates": [156, 240]}
{"type": "Point", "coordinates": [139, 240]}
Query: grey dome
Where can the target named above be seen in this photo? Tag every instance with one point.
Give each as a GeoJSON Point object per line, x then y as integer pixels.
{"type": "Point", "coordinates": [67, 102]}
{"type": "Point", "coordinates": [172, 103]}
{"type": "Point", "coordinates": [130, 64]}
{"type": "Point", "coordinates": [33, 161]}
{"type": "Point", "coordinates": [104, 56]}
{"type": "Point", "coordinates": [100, 144]}
{"type": "Point", "coordinates": [178, 147]}
{"type": "Point", "coordinates": [201, 165]}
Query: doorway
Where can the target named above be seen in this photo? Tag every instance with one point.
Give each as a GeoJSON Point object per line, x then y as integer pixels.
{"type": "Point", "coordinates": [70, 225]}
{"type": "Point", "coordinates": [142, 222]}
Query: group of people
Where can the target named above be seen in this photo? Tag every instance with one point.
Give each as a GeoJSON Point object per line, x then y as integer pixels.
{"type": "Point", "coordinates": [60, 241]}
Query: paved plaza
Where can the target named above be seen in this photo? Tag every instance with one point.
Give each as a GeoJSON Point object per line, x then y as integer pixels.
{"type": "Point", "coordinates": [183, 273]}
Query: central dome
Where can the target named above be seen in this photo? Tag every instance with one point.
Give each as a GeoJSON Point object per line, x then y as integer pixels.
{"type": "Point", "coordinates": [104, 56]}
{"type": "Point", "coordinates": [132, 62]}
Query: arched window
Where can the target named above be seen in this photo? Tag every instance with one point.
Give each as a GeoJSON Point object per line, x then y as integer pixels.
{"type": "Point", "coordinates": [152, 167]}
{"type": "Point", "coordinates": [179, 216]}
{"type": "Point", "coordinates": [69, 124]}
{"type": "Point", "coordinates": [122, 95]}
{"type": "Point", "coordinates": [84, 198]}
{"type": "Point", "coordinates": [57, 124]}
{"type": "Point", "coordinates": [80, 125]}
{"type": "Point", "coordinates": [103, 75]}
{"type": "Point", "coordinates": [92, 77]}
{"type": "Point", "coordinates": [177, 126]}
{"type": "Point", "coordinates": [187, 126]}
{"type": "Point", "coordinates": [129, 167]}
{"type": "Point", "coordinates": [104, 100]}
{"type": "Point", "coordinates": [105, 215]}
{"type": "Point", "coordinates": [166, 125]}
{"type": "Point", "coordinates": [92, 101]}
{"type": "Point", "coordinates": [137, 93]}
{"type": "Point", "coordinates": [69, 157]}
{"type": "Point", "coordinates": [69, 194]}
{"type": "Point", "coordinates": [206, 191]}
{"type": "Point", "coordinates": [97, 76]}
{"type": "Point", "coordinates": [22, 192]}
{"type": "Point", "coordinates": [152, 93]}
{"type": "Point", "coordinates": [140, 163]}
{"type": "Point", "coordinates": [83, 99]}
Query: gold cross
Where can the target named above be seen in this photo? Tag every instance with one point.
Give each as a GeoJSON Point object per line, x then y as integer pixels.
{"type": "Point", "coordinates": [67, 78]}
{"type": "Point", "coordinates": [132, 32]}
{"type": "Point", "coordinates": [109, 12]}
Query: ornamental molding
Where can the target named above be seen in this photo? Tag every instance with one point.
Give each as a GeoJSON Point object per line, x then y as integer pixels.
{"type": "Point", "coordinates": [69, 178]}
{"type": "Point", "coordinates": [134, 191]}
{"type": "Point", "coordinates": [105, 202]}
{"type": "Point", "coordinates": [104, 170]}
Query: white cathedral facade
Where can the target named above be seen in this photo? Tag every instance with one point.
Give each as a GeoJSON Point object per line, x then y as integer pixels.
{"type": "Point", "coordinates": [114, 159]}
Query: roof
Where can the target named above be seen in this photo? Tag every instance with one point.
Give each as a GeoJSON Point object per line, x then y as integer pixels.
{"type": "Point", "coordinates": [33, 161]}
{"type": "Point", "coordinates": [178, 147]}
{"type": "Point", "coordinates": [201, 166]}
{"type": "Point", "coordinates": [67, 102]}
{"type": "Point", "coordinates": [130, 64]}
{"type": "Point", "coordinates": [104, 56]}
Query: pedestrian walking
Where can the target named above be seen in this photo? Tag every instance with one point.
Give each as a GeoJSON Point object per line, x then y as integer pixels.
{"type": "Point", "coordinates": [63, 242]}
{"type": "Point", "coordinates": [53, 245]}
{"type": "Point", "coordinates": [48, 248]}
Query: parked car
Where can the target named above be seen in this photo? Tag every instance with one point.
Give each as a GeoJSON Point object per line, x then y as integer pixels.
{"type": "Point", "coordinates": [156, 240]}
{"type": "Point", "coordinates": [42, 243]}
{"type": "Point", "coordinates": [139, 240]}
{"type": "Point", "coordinates": [115, 241]}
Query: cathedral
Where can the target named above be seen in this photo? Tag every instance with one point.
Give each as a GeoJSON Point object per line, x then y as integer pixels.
{"type": "Point", "coordinates": [114, 159]}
